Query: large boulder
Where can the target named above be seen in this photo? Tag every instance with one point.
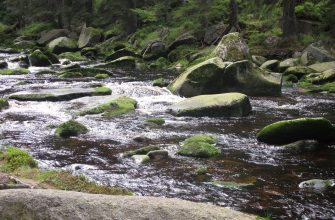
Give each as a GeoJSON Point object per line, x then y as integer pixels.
{"type": "Point", "coordinates": [289, 131]}
{"type": "Point", "coordinates": [220, 105]}
{"type": "Point", "coordinates": [51, 35]}
{"type": "Point", "coordinates": [89, 37]}
{"type": "Point", "coordinates": [214, 76]}
{"type": "Point", "coordinates": [55, 95]}
{"type": "Point", "coordinates": [232, 48]}
{"type": "Point", "coordinates": [271, 65]}
{"type": "Point", "coordinates": [62, 44]}
{"type": "Point", "coordinates": [38, 58]}
{"type": "Point", "coordinates": [154, 50]}
{"type": "Point", "coordinates": [299, 71]}
{"type": "Point", "coordinates": [321, 67]}
{"type": "Point", "coordinates": [285, 64]}
{"type": "Point", "coordinates": [185, 39]}
{"type": "Point", "coordinates": [320, 78]}
{"type": "Point", "coordinates": [213, 33]}
{"type": "Point", "coordinates": [70, 128]}
{"type": "Point", "coordinates": [120, 53]}
{"type": "Point", "coordinates": [315, 53]}
{"type": "Point", "coordinates": [126, 62]}
{"type": "Point", "coordinates": [67, 205]}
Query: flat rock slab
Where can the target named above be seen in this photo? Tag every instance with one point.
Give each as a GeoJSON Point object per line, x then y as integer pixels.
{"type": "Point", "coordinates": [219, 105]}
{"type": "Point", "coordinates": [54, 204]}
{"type": "Point", "coordinates": [55, 95]}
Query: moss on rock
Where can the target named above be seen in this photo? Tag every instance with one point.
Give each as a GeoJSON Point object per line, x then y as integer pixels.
{"type": "Point", "coordinates": [102, 76]}
{"type": "Point", "coordinates": [73, 56]}
{"type": "Point", "coordinates": [103, 91]}
{"type": "Point", "coordinates": [140, 151]}
{"type": "Point", "coordinates": [289, 131]}
{"type": "Point", "coordinates": [62, 44]}
{"type": "Point", "coordinates": [113, 108]}
{"type": "Point", "coordinates": [221, 105]}
{"type": "Point", "coordinates": [19, 71]}
{"type": "Point", "coordinates": [3, 103]}
{"type": "Point", "coordinates": [70, 128]}
{"type": "Point", "coordinates": [299, 71]}
{"type": "Point", "coordinates": [161, 82]}
{"type": "Point", "coordinates": [199, 146]}
{"type": "Point", "coordinates": [38, 58]}
{"type": "Point", "coordinates": [155, 121]}
{"type": "Point", "coordinates": [88, 72]}
{"type": "Point", "coordinates": [126, 62]}
{"type": "Point", "coordinates": [71, 75]}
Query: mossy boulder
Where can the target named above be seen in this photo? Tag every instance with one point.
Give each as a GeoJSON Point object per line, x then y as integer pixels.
{"type": "Point", "coordinates": [46, 72]}
{"type": "Point", "coordinates": [141, 151]}
{"type": "Point", "coordinates": [88, 72]}
{"type": "Point", "coordinates": [321, 67]}
{"type": "Point", "coordinates": [199, 146]}
{"type": "Point", "coordinates": [155, 121]}
{"type": "Point", "coordinates": [158, 155]}
{"type": "Point", "coordinates": [102, 76]}
{"type": "Point", "coordinates": [289, 131]}
{"type": "Point", "coordinates": [271, 65]}
{"type": "Point", "coordinates": [3, 104]}
{"type": "Point", "coordinates": [70, 66]}
{"type": "Point", "coordinates": [62, 44]}
{"type": "Point", "coordinates": [127, 62]}
{"type": "Point", "coordinates": [285, 64]}
{"type": "Point", "coordinates": [214, 76]}
{"type": "Point", "coordinates": [120, 53]}
{"type": "Point", "coordinates": [19, 71]}
{"type": "Point", "coordinates": [299, 71]}
{"type": "Point", "coordinates": [89, 36]}
{"type": "Point", "coordinates": [113, 108]}
{"type": "Point", "coordinates": [320, 78]}
{"type": "Point", "coordinates": [70, 128]}
{"type": "Point", "coordinates": [52, 57]}
{"type": "Point", "coordinates": [316, 53]}
{"type": "Point", "coordinates": [161, 82]}
{"type": "Point", "coordinates": [51, 35]}
{"type": "Point", "coordinates": [258, 60]}
{"type": "Point", "coordinates": [232, 48]}
{"type": "Point", "coordinates": [220, 105]}
{"type": "Point", "coordinates": [303, 146]}
{"type": "Point", "coordinates": [291, 78]}
{"type": "Point", "coordinates": [55, 95]}
{"type": "Point", "coordinates": [73, 56]}
{"type": "Point", "coordinates": [71, 75]}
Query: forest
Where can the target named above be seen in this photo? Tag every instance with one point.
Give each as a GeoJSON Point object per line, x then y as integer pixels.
{"type": "Point", "coordinates": [167, 109]}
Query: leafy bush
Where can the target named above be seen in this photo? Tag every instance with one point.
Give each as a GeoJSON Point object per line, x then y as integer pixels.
{"type": "Point", "coordinates": [14, 158]}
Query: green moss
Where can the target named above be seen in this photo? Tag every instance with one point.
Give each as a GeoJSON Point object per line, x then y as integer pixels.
{"type": "Point", "coordinates": [289, 131]}
{"type": "Point", "coordinates": [34, 97]}
{"type": "Point", "coordinates": [329, 87]}
{"type": "Point", "coordinates": [101, 76]}
{"type": "Point", "coordinates": [140, 151]}
{"type": "Point", "coordinates": [34, 29]}
{"type": "Point", "coordinates": [3, 103]}
{"type": "Point", "coordinates": [199, 146]}
{"type": "Point", "coordinates": [201, 171]}
{"type": "Point", "coordinates": [70, 128]}
{"type": "Point", "coordinates": [156, 121]}
{"type": "Point", "coordinates": [71, 75]}
{"type": "Point", "coordinates": [103, 91]}
{"type": "Point", "coordinates": [38, 58]}
{"type": "Point", "coordinates": [113, 108]}
{"type": "Point", "coordinates": [14, 158]}
{"type": "Point", "coordinates": [73, 56]}
{"type": "Point", "coordinates": [19, 71]}
{"type": "Point", "coordinates": [88, 72]}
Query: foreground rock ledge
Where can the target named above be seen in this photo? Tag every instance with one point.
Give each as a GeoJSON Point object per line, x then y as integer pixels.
{"type": "Point", "coordinates": [54, 204]}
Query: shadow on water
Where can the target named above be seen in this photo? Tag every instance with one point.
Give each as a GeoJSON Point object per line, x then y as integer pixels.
{"type": "Point", "coordinates": [267, 176]}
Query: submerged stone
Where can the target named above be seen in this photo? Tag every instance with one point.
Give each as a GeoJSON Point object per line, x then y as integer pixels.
{"type": "Point", "coordinates": [231, 184]}
{"type": "Point", "coordinates": [317, 184]}
{"type": "Point", "coordinates": [155, 121]}
{"type": "Point", "coordinates": [126, 62]}
{"type": "Point", "coordinates": [158, 155]}
{"type": "Point", "coordinates": [70, 128]}
{"type": "Point", "coordinates": [72, 56]}
{"type": "Point", "coordinates": [140, 159]}
{"type": "Point", "coordinates": [88, 72]}
{"type": "Point", "coordinates": [221, 105]}
{"type": "Point", "coordinates": [141, 151]}
{"type": "Point", "coordinates": [59, 94]}
{"type": "Point", "coordinates": [289, 131]}
{"type": "Point", "coordinates": [199, 146]}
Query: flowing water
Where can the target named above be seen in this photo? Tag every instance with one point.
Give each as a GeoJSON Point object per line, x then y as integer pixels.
{"type": "Point", "coordinates": [275, 173]}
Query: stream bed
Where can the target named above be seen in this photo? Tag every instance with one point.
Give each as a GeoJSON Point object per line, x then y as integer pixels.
{"type": "Point", "coordinates": [274, 172]}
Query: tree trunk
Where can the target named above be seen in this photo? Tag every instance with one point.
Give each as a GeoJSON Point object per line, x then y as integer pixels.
{"type": "Point", "coordinates": [289, 19]}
